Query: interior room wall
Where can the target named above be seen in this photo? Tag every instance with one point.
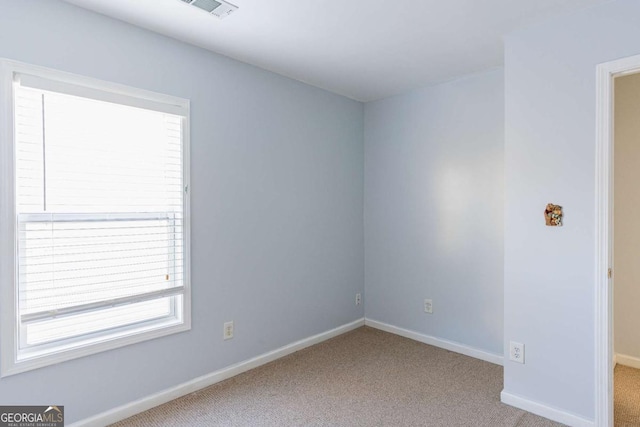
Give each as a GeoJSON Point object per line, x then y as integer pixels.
{"type": "Point", "coordinates": [550, 90]}
{"type": "Point", "coordinates": [277, 195]}
{"type": "Point", "coordinates": [627, 217]}
{"type": "Point", "coordinates": [433, 208]}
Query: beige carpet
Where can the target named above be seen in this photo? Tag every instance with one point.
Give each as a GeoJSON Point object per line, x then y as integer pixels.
{"type": "Point", "coordinates": [363, 378]}
{"type": "Point", "coordinates": [627, 396]}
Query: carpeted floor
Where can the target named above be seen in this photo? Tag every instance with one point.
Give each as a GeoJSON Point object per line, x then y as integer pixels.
{"type": "Point", "coordinates": [627, 397]}
{"type": "Point", "coordinates": [363, 378]}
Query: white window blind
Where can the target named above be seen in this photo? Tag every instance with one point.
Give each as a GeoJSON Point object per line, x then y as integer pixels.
{"type": "Point", "coordinates": [100, 197]}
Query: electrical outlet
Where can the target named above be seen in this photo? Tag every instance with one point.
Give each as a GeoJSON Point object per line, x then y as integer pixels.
{"type": "Point", "coordinates": [428, 306]}
{"type": "Point", "coordinates": [358, 299]}
{"type": "Point", "coordinates": [227, 332]}
{"type": "Point", "coordinates": [516, 351]}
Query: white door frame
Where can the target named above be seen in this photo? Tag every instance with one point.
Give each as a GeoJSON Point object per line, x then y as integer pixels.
{"type": "Point", "coordinates": [605, 75]}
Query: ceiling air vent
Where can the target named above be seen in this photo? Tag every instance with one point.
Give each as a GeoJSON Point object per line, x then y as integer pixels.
{"type": "Point", "coordinates": [219, 8]}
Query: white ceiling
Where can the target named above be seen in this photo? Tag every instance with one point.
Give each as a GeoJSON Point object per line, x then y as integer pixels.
{"type": "Point", "coordinates": [363, 49]}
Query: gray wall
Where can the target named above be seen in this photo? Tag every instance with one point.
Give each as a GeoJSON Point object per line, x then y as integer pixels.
{"type": "Point", "coordinates": [626, 213]}
{"type": "Point", "coordinates": [433, 210]}
{"type": "Point", "coordinates": [277, 195]}
{"type": "Point", "coordinates": [550, 90]}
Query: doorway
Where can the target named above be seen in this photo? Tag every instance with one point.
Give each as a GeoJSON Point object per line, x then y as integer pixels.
{"type": "Point", "coordinates": [626, 249]}
{"type": "Point", "coordinates": [607, 74]}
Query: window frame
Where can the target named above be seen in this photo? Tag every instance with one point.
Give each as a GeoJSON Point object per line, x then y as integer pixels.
{"type": "Point", "coordinates": [95, 89]}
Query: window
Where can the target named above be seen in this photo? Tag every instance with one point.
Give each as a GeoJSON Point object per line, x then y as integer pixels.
{"type": "Point", "coordinates": [95, 199]}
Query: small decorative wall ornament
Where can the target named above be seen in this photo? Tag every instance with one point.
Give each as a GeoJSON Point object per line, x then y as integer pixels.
{"type": "Point", "coordinates": [553, 215]}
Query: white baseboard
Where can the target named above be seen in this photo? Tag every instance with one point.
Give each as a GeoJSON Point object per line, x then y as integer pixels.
{"type": "Point", "coordinates": [544, 411]}
{"type": "Point", "coordinates": [623, 359]}
{"type": "Point", "coordinates": [437, 342]}
{"type": "Point", "coordinates": [146, 403]}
